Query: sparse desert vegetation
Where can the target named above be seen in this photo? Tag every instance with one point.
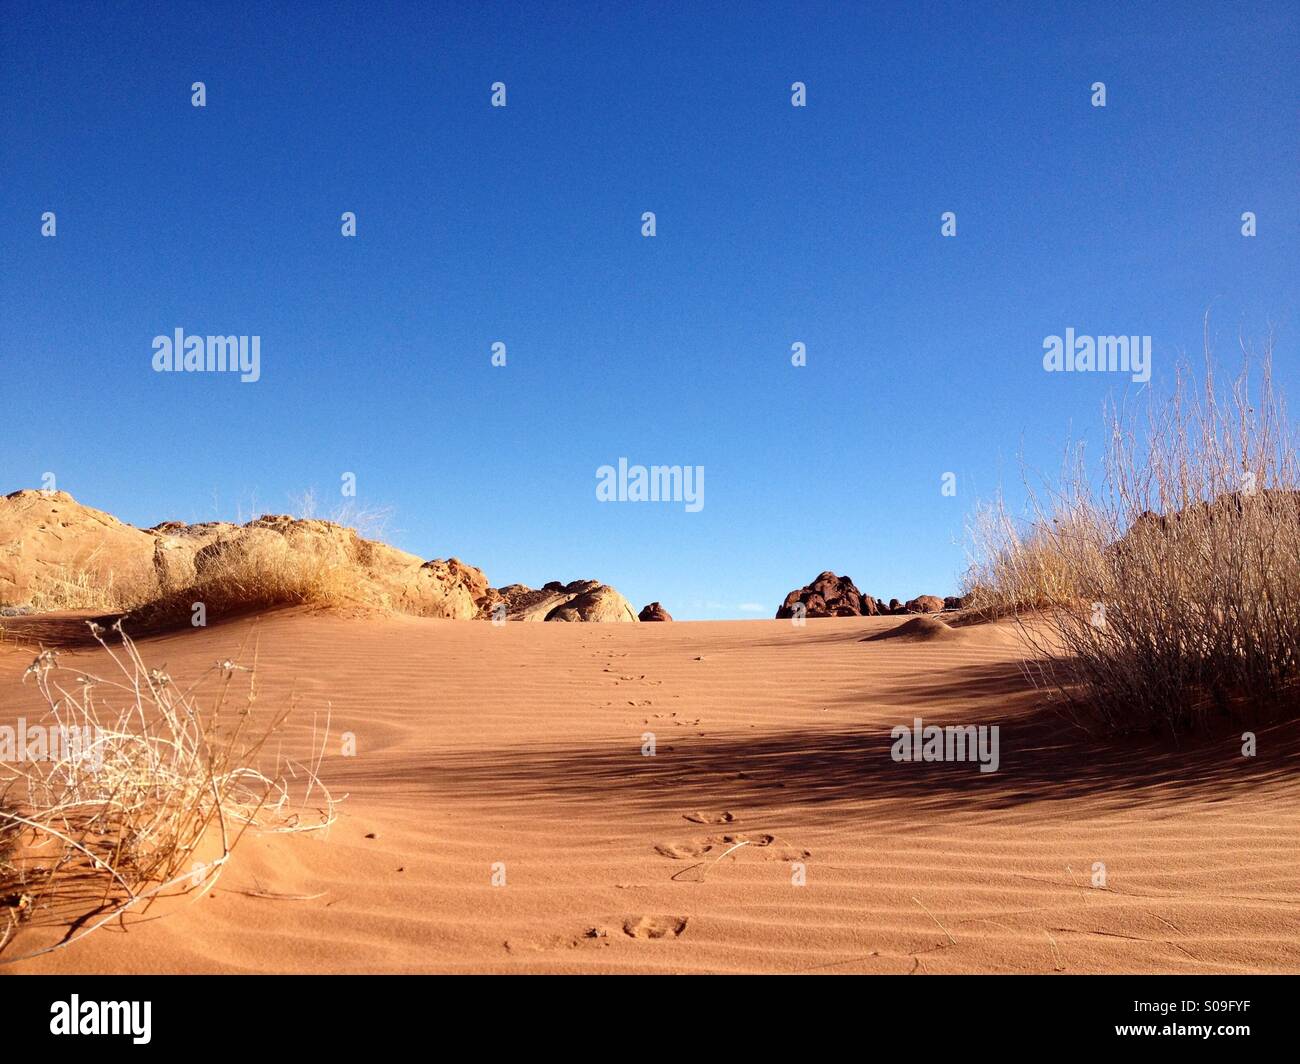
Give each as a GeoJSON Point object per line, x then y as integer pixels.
{"type": "Point", "coordinates": [142, 788]}
{"type": "Point", "coordinates": [1162, 589]}
{"type": "Point", "coordinates": [68, 588]}
{"type": "Point", "coordinates": [247, 573]}
{"type": "Point", "coordinates": [59, 555]}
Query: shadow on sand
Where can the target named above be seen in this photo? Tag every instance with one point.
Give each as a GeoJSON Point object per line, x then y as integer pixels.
{"type": "Point", "coordinates": [1043, 757]}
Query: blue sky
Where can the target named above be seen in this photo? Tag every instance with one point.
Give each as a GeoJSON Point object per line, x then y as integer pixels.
{"type": "Point", "coordinates": [522, 224]}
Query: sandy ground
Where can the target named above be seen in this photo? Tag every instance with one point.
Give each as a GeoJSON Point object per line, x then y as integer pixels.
{"type": "Point", "coordinates": [523, 745]}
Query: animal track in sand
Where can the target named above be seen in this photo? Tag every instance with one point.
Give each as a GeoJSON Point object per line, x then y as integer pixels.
{"type": "Point", "coordinates": [681, 851]}
{"type": "Point", "coordinates": [650, 927]}
{"type": "Point", "coordinates": [704, 845]}
{"type": "Point", "coordinates": [684, 849]}
{"type": "Point", "coordinates": [709, 818]}
{"type": "Point", "coordinates": [593, 936]}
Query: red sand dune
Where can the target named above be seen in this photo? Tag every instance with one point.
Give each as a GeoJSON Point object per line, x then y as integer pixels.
{"type": "Point", "coordinates": [521, 744]}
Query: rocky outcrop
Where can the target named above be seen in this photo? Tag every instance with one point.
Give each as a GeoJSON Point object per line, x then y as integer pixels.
{"type": "Point", "coordinates": [1151, 531]}
{"type": "Point", "coordinates": [580, 600]}
{"type": "Point", "coordinates": [837, 596]}
{"type": "Point", "coordinates": [54, 551]}
{"type": "Point", "coordinates": [58, 552]}
{"type": "Point", "coordinates": [654, 612]}
{"type": "Point", "coordinates": [828, 596]}
{"type": "Point", "coordinates": [350, 568]}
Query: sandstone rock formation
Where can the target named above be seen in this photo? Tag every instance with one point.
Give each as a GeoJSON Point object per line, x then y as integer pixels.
{"type": "Point", "coordinates": [600, 604]}
{"type": "Point", "coordinates": [924, 604]}
{"type": "Point", "coordinates": [654, 612]}
{"type": "Point", "coordinates": [580, 600]}
{"type": "Point", "coordinates": [52, 548]}
{"type": "Point", "coordinates": [57, 552]}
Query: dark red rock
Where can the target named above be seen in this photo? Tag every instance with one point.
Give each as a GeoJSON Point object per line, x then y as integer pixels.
{"type": "Point", "coordinates": [837, 596]}
{"type": "Point", "coordinates": [654, 612]}
{"type": "Point", "coordinates": [827, 596]}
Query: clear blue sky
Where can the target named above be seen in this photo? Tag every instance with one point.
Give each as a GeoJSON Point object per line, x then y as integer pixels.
{"type": "Point", "coordinates": [478, 224]}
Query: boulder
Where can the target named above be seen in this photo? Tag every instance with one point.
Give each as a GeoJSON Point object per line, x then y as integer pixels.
{"type": "Point", "coordinates": [924, 604]}
{"type": "Point", "coordinates": [579, 600]}
{"type": "Point", "coordinates": [654, 612]}
{"type": "Point", "coordinates": [602, 604]}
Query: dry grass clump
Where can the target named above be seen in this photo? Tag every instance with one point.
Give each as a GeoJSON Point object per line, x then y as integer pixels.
{"type": "Point", "coordinates": [1164, 591]}
{"type": "Point", "coordinates": [260, 566]}
{"type": "Point", "coordinates": [245, 576]}
{"type": "Point", "coordinates": [1022, 569]}
{"type": "Point", "coordinates": [87, 588]}
{"type": "Point", "coordinates": [140, 791]}
{"type": "Point", "coordinates": [369, 522]}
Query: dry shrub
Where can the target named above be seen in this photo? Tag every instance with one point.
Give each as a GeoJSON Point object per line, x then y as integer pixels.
{"type": "Point", "coordinates": [245, 576]}
{"type": "Point", "coordinates": [1022, 569]}
{"type": "Point", "coordinates": [261, 567]}
{"type": "Point", "coordinates": [145, 795]}
{"type": "Point", "coordinates": [1164, 590]}
{"type": "Point", "coordinates": [271, 572]}
{"type": "Point", "coordinates": [369, 522]}
{"type": "Point", "coordinates": [88, 588]}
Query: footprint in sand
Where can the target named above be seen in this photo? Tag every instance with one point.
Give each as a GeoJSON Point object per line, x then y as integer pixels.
{"type": "Point", "coordinates": [682, 851]}
{"type": "Point", "coordinates": [647, 927]}
{"type": "Point", "coordinates": [539, 945]}
{"type": "Point", "coordinates": [685, 849]}
{"type": "Point", "coordinates": [694, 849]}
{"type": "Point", "coordinates": [592, 936]}
{"type": "Point", "coordinates": [708, 818]}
